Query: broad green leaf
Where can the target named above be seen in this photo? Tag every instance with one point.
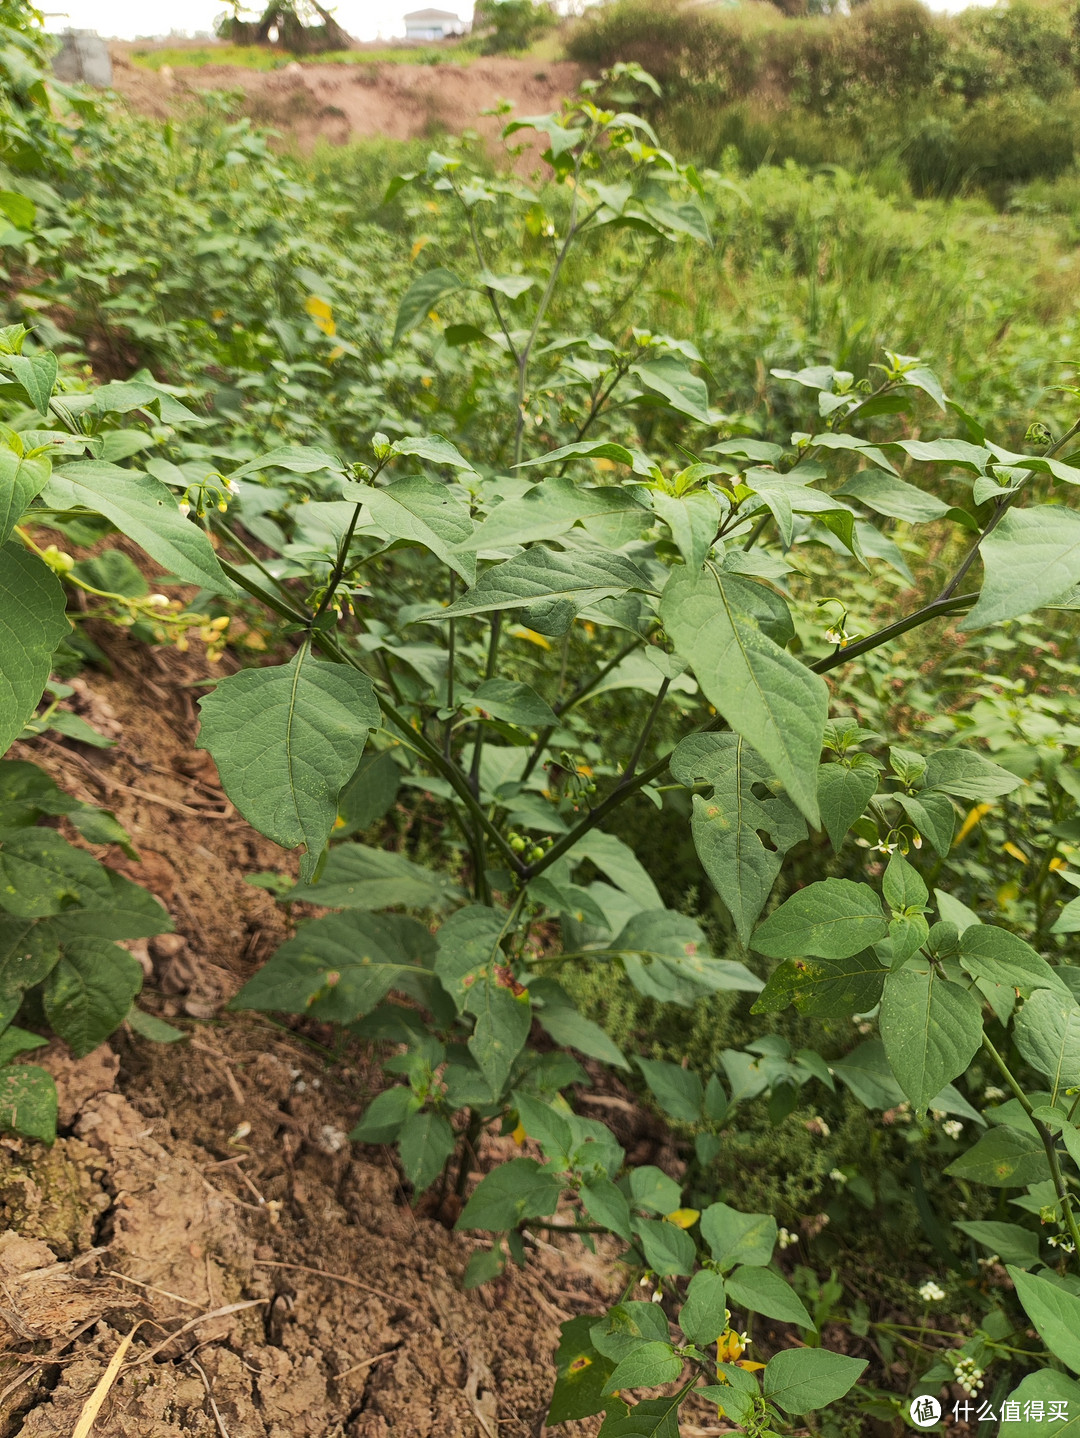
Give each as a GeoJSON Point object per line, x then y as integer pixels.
{"type": "Point", "coordinates": [902, 886]}
{"type": "Point", "coordinates": [865, 1071]}
{"type": "Point", "coordinates": [28, 1101]}
{"type": "Point", "coordinates": [1003, 1158]}
{"type": "Point", "coordinates": [147, 1026]}
{"type": "Point", "coordinates": [652, 1189]}
{"type": "Point", "coordinates": [968, 775]}
{"type": "Point", "coordinates": [735, 1237]}
{"type": "Point", "coordinates": [886, 494]}
{"type": "Point", "coordinates": [358, 877]}
{"type": "Point", "coordinates": [1009, 1241]}
{"type": "Point", "coordinates": [646, 1367]}
{"type": "Point", "coordinates": [994, 954]}
{"type": "Point", "coordinates": [833, 919]}
{"type": "Point", "coordinates": [934, 817]}
{"type": "Point", "coordinates": [1055, 1313]}
{"type": "Point", "coordinates": [844, 790]}
{"type": "Point", "coordinates": [385, 1115]}
{"type": "Point", "coordinates": [1030, 559]}
{"type": "Point", "coordinates": [467, 944]}
{"type": "Point", "coordinates": [824, 988]}
{"type": "Point", "coordinates": [295, 458]}
{"type": "Point", "coordinates": [683, 390]}
{"type": "Point", "coordinates": [551, 509]}
{"type": "Point", "coordinates": [513, 286]}
{"type": "Point", "coordinates": [18, 1041]}
{"type": "Point", "coordinates": [89, 992]}
{"type": "Point", "coordinates": [421, 297]}
{"type": "Point", "coordinates": [513, 701]}
{"type": "Point", "coordinates": [746, 808]}
{"type": "Point", "coordinates": [762, 1290]}
{"type": "Point", "coordinates": [693, 520]}
{"type": "Point", "coordinates": [484, 1264]}
{"type": "Point", "coordinates": [666, 957]}
{"type": "Point", "coordinates": [42, 874]}
{"type": "Point", "coordinates": [32, 624]}
{"type": "Point", "coordinates": [678, 1091]}
{"type": "Point", "coordinates": [425, 1142]}
{"type": "Point", "coordinates": [559, 1018]}
{"type": "Point", "coordinates": [931, 1030]}
{"type": "Point", "coordinates": [669, 1250]}
{"type": "Point", "coordinates": [651, 1418]}
{"type": "Point", "coordinates": [20, 480]}
{"type": "Point", "coordinates": [434, 448]}
{"type": "Point", "coordinates": [509, 1194]}
{"type": "Point", "coordinates": [584, 449]}
{"type": "Point", "coordinates": [1047, 1033]}
{"type": "Point", "coordinates": [627, 1326]}
{"type": "Point", "coordinates": [1045, 1386]}
{"type": "Point", "coordinates": [146, 511]}
{"type": "Point", "coordinates": [503, 1020]}
{"type": "Point", "coordinates": [618, 862]}
{"type": "Point", "coordinates": [607, 1205]}
{"type": "Point", "coordinates": [543, 578]}
{"type": "Point", "coordinates": [703, 1316]}
{"type": "Point", "coordinates": [339, 967]}
{"type": "Point", "coordinates": [37, 375]}
{"type": "Point", "coordinates": [369, 793]}
{"type": "Point", "coordinates": [802, 1380]}
{"type": "Point", "coordinates": [286, 739]}
{"type": "Point", "coordinates": [776, 703]}
{"type": "Point", "coordinates": [422, 511]}
{"type": "Point", "coordinates": [581, 1373]}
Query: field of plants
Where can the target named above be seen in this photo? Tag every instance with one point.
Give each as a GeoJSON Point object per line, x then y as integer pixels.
{"type": "Point", "coordinates": [539, 835]}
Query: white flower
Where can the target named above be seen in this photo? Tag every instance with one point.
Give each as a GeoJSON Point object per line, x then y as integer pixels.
{"type": "Point", "coordinates": [837, 1175]}
{"type": "Point", "coordinates": [658, 1296]}
{"type": "Point", "coordinates": [968, 1375]}
{"type": "Point", "coordinates": [159, 601]}
{"type": "Point", "coordinates": [785, 1239]}
{"type": "Point", "coordinates": [993, 1093]}
{"type": "Point", "coordinates": [937, 1114]}
{"type": "Point", "coordinates": [185, 508]}
{"type": "Point", "coordinates": [931, 1292]}
{"type": "Point", "coordinates": [953, 1129]}
{"type": "Point", "coordinates": [232, 486]}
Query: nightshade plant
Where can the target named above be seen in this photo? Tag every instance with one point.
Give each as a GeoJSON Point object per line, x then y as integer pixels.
{"type": "Point", "coordinates": [417, 584]}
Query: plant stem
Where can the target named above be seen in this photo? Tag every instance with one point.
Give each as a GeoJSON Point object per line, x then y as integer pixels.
{"type": "Point", "coordinates": [933, 610]}
{"type": "Point", "coordinates": [643, 737]}
{"type": "Point", "coordinates": [582, 691]}
{"type": "Point", "coordinates": [489, 673]}
{"type": "Point", "coordinates": [1047, 1141]}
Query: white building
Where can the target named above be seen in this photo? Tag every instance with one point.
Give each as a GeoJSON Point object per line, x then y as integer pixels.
{"type": "Point", "coordinates": [433, 25]}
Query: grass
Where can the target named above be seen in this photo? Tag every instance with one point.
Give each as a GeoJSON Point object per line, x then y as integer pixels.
{"type": "Point", "coordinates": [259, 57]}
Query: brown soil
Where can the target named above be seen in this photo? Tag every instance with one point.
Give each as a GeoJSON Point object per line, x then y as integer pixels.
{"type": "Point", "coordinates": [215, 1172]}
{"type": "Point", "coordinates": [345, 102]}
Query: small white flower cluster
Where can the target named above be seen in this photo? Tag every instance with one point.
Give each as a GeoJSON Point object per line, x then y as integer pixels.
{"type": "Point", "coordinates": [969, 1376]}
{"type": "Point", "coordinates": [989, 1262]}
{"type": "Point", "coordinates": [785, 1238]}
{"type": "Point", "coordinates": [837, 1175]}
{"type": "Point", "coordinates": [931, 1292]}
{"type": "Point", "coordinates": [953, 1128]}
{"type": "Point", "coordinates": [1058, 1240]}
{"type": "Point", "coordinates": [993, 1092]}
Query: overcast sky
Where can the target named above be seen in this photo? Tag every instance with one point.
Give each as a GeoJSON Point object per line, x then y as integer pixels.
{"type": "Point", "coordinates": [363, 19]}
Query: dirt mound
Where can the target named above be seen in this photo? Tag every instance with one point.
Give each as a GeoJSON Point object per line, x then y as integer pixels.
{"type": "Point", "coordinates": [344, 102]}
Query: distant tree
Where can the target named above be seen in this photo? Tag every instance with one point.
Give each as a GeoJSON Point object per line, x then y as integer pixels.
{"type": "Point", "coordinates": [511, 24]}
{"type": "Point", "coordinates": [302, 27]}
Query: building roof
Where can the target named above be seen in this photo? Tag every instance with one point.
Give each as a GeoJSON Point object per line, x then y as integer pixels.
{"type": "Point", "coordinates": [432, 15]}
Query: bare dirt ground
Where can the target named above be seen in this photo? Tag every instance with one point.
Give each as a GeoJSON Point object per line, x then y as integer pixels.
{"type": "Point", "coordinates": [344, 102]}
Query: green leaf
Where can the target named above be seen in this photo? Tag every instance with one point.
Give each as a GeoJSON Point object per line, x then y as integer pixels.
{"type": "Point", "coordinates": [559, 1018]}
{"type": "Point", "coordinates": [761, 1290]}
{"type": "Point", "coordinates": [843, 793]}
{"type": "Point", "coordinates": [32, 624]}
{"type": "Point", "coordinates": [146, 511]}
{"type": "Point", "coordinates": [584, 449]}
{"type": "Point", "coordinates": [37, 375]}
{"type": "Point", "coordinates": [484, 1265]}
{"type": "Point", "coordinates": [931, 1030]}
{"type": "Point", "coordinates": [678, 1091]}
{"type": "Point", "coordinates": [650, 1188]}
{"type": "Point", "coordinates": [1030, 559]}
{"type": "Point", "coordinates": [28, 1101]}
{"type": "Point", "coordinates": [1045, 1386]}
{"type": "Point", "coordinates": [433, 447]}
{"type": "Point", "coordinates": [683, 390]}
{"type": "Point", "coordinates": [647, 1367]}
{"type": "Point", "coordinates": [286, 740]}
{"type": "Point", "coordinates": [669, 1250]}
{"type": "Point", "coordinates": [509, 1194]}
{"type": "Point", "coordinates": [89, 992]}
{"type": "Point", "coordinates": [20, 480]}
{"type": "Point", "coordinates": [968, 775]}
{"type": "Point", "coordinates": [359, 877]}
{"type": "Point", "coordinates": [425, 1142]}
{"type": "Point", "coordinates": [1047, 1033]}
{"type": "Point", "coordinates": [703, 1316]}
{"type": "Point", "coordinates": [605, 1204]}
{"type": "Point", "coordinates": [1055, 1313]}
{"type": "Point", "coordinates": [1009, 1241]}
{"type": "Point", "coordinates": [651, 1418]}
{"type": "Point", "coordinates": [994, 954]}
{"type": "Point", "coordinates": [1003, 1158]}
{"type": "Point", "coordinates": [18, 1041]}
{"type": "Point", "coordinates": [544, 578]}
{"type": "Point", "coordinates": [147, 1026]}
{"type": "Point", "coordinates": [833, 919]}
{"type": "Point", "coordinates": [467, 944]}
{"type": "Point", "coordinates": [339, 967]}
{"type": "Point", "coordinates": [933, 816]}
{"type": "Point", "coordinates": [777, 704]}
{"type": "Point", "coordinates": [515, 702]}
{"type": "Point", "coordinates": [865, 1071]}
{"type": "Point", "coordinates": [422, 511]}
{"type": "Point", "coordinates": [886, 494]}
{"type": "Point", "coordinates": [693, 520]}
{"type": "Point", "coordinates": [295, 458]}
{"type": "Point", "coordinates": [824, 988]}
{"type": "Point", "coordinates": [735, 1237]}
{"type": "Point", "coordinates": [802, 1380]}
{"type": "Point", "coordinates": [746, 808]}
{"type": "Point", "coordinates": [902, 886]}
{"type": "Point", "coordinates": [385, 1115]}
{"type": "Point", "coordinates": [618, 861]}
{"type": "Point", "coordinates": [666, 957]}
{"type": "Point", "coordinates": [580, 1374]}
{"type": "Point", "coordinates": [503, 1020]}
{"type": "Point", "coordinates": [421, 297]}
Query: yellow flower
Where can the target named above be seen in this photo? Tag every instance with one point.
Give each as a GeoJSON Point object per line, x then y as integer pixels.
{"type": "Point", "coordinates": [321, 314]}
{"type": "Point", "coordinates": [683, 1217]}
{"type": "Point", "coordinates": [969, 823]}
{"type": "Point", "coordinates": [729, 1346]}
{"type": "Point", "coordinates": [1014, 851]}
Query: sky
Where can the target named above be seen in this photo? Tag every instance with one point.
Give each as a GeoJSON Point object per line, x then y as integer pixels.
{"type": "Point", "coordinates": [363, 19]}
